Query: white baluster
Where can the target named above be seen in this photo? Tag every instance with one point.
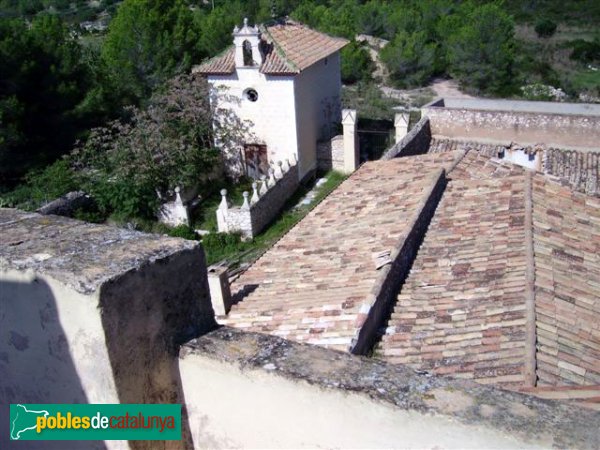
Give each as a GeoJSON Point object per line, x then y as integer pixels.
{"type": "Point", "coordinates": [245, 205]}
{"type": "Point", "coordinates": [264, 186]}
{"type": "Point", "coordinates": [272, 179]}
{"type": "Point", "coordinates": [255, 197]}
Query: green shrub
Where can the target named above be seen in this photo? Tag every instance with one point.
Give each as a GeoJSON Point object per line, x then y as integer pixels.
{"type": "Point", "coordinates": [545, 28]}
{"type": "Point", "coordinates": [585, 51]}
{"type": "Point", "coordinates": [481, 52]}
{"type": "Point", "coordinates": [124, 199]}
{"type": "Point", "coordinates": [221, 240]}
{"type": "Point", "coordinates": [183, 231]}
{"type": "Point", "coordinates": [42, 186]}
{"type": "Point", "coordinates": [410, 59]}
{"type": "Point", "coordinates": [219, 246]}
{"type": "Point", "coordinates": [356, 63]}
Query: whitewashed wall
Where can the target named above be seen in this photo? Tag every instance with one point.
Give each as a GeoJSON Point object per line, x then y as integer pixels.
{"type": "Point", "coordinates": [292, 112]}
{"type": "Point", "coordinates": [273, 115]}
{"type": "Point", "coordinates": [317, 91]}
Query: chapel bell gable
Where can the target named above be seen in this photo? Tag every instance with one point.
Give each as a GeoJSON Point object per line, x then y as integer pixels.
{"type": "Point", "coordinates": [247, 42]}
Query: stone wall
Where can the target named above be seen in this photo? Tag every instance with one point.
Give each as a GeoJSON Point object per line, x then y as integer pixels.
{"type": "Point", "coordinates": [416, 142]}
{"type": "Point", "coordinates": [247, 390]}
{"type": "Point", "coordinates": [265, 203]}
{"type": "Point", "coordinates": [528, 123]}
{"type": "Point", "coordinates": [68, 204]}
{"type": "Point", "coordinates": [330, 154]}
{"type": "Point", "coordinates": [90, 313]}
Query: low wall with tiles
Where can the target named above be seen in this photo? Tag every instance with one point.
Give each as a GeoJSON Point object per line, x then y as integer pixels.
{"type": "Point", "coordinates": [330, 154]}
{"type": "Point", "coordinates": [416, 142]}
{"type": "Point", "coordinates": [580, 168]}
{"type": "Point", "coordinates": [559, 125]}
{"type": "Point", "coordinates": [248, 390]}
{"type": "Point", "coordinates": [266, 202]}
{"type": "Point", "coordinates": [392, 276]}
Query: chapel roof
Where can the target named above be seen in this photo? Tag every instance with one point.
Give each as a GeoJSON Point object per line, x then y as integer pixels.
{"type": "Point", "coordinates": [294, 47]}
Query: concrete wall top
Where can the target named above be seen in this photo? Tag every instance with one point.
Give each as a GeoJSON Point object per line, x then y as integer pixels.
{"type": "Point", "coordinates": [529, 420]}
{"type": "Point", "coordinates": [79, 254]}
{"type": "Point", "coordinates": [583, 109]}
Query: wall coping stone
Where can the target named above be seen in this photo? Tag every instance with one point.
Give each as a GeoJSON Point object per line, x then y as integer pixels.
{"type": "Point", "coordinates": [519, 106]}
{"type": "Point", "coordinates": [81, 255]}
{"type": "Point", "coordinates": [397, 149]}
{"type": "Point", "coordinates": [535, 420]}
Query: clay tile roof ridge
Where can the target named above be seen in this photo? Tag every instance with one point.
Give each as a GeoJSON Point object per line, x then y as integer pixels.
{"type": "Point", "coordinates": [205, 66]}
{"type": "Point", "coordinates": [280, 52]}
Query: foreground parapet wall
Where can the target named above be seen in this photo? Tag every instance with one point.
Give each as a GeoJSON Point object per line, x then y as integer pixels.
{"type": "Point", "coordinates": [259, 391]}
{"type": "Point", "coordinates": [94, 314]}
{"type": "Point", "coordinates": [566, 125]}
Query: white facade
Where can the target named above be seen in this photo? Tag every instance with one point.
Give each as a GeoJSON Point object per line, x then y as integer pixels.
{"type": "Point", "coordinates": [272, 117]}
{"type": "Point", "coordinates": [291, 113]}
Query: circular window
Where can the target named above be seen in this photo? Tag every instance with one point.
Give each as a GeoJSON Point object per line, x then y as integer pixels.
{"type": "Point", "coordinates": [251, 94]}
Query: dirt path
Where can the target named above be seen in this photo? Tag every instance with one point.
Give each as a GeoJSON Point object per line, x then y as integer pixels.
{"type": "Point", "coordinates": [411, 98]}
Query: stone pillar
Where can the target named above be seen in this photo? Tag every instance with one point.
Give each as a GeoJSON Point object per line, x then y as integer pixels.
{"type": "Point", "coordinates": [220, 294]}
{"type": "Point", "coordinates": [351, 155]}
{"type": "Point", "coordinates": [401, 124]}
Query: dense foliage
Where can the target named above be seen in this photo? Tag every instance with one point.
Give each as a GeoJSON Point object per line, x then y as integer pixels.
{"type": "Point", "coordinates": [410, 58]}
{"type": "Point", "coordinates": [58, 81]}
{"type": "Point", "coordinates": [481, 50]}
{"type": "Point", "coordinates": [166, 145]}
{"type": "Point", "coordinates": [356, 63]}
{"type": "Point", "coordinates": [149, 41]}
{"type": "Point", "coordinates": [49, 94]}
{"type": "Point", "coordinates": [545, 27]}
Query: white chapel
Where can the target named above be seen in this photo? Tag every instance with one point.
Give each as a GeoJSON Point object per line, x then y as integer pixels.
{"type": "Point", "coordinates": [285, 80]}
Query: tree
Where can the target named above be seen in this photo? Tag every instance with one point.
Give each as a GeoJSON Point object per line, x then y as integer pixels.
{"type": "Point", "coordinates": [44, 78]}
{"type": "Point", "coordinates": [481, 52]}
{"type": "Point", "coordinates": [149, 41]}
{"type": "Point", "coordinates": [169, 144]}
{"type": "Point", "coordinates": [545, 28]}
{"type": "Point", "coordinates": [410, 58]}
{"type": "Point", "coordinates": [357, 65]}
{"type": "Point", "coordinates": [216, 27]}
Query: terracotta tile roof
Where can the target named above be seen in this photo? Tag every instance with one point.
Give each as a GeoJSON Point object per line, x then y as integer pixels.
{"type": "Point", "coordinates": [301, 45]}
{"type": "Point", "coordinates": [462, 309]}
{"type": "Point", "coordinates": [295, 48]}
{"type": "Point", "coordinates": [311, 286]}
{"type": "Point", "coordinates": [579, 169]}
{"type": "Point", "coordinates": [222, 64]}
{"type": "Point", "coordinates": [438, 145]}
{"type": "Point", "coordinates": [567, 284]}
{"type": "Point", "coordinates": [586, 396]}
{"type": "Point", "coordinates": [475, 165]}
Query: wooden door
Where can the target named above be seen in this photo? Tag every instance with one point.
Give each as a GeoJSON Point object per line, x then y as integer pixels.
{"type": "Point", "coordinates": [256, 159]}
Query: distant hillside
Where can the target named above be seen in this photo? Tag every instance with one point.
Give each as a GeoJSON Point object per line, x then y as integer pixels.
{"type": "Point", "coordinates": [72, 12]}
